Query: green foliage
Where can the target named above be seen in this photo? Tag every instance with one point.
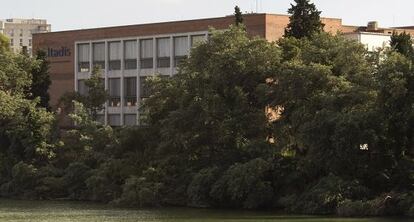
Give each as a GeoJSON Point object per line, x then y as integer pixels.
{"type": "Point", "coordinates": [325, 87]}
{"type": "Point", "coordinates": [204, 113]}
{"type": "Point", "coordinates": [142, 191]}
{"type": "Point", "coordinates": [106, 182]}
{"type": "Point", "coordinates": [97, 96]}
{"type": "Point", "coordinates": [41, 80]}
{"type": "Point", "coordinates": [4, 44]}
{"type": "Point", "coordinates": [94, 100]}
{"type": "Point", "coordinates": [306, 125]}
{"type": "Point", "coordinates": [325, 196]}
{"type": "Point", "coordinates": [348, 208]}
{"type": "Point", "coordinates": [402, 43]}
{"type": "Point", "coordinates": [24, 179]}
{"type": "Point", "coordinates": [389, 204]}
{"type": "Point", "coordinates": [75, 178]}
{"type": "Point", "coordinates": [88, 137]}
{"type": "Point", "coordinates": [244, 185]}
{"type": "Point", "coordinates": [238, 15]}
{"type": "Point", "coordinates": [199, 189]}
{"type": "Point", "coordinates": [304, 20]}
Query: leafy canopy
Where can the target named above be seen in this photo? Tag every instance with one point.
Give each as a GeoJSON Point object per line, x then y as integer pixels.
{"type": "Point", "coordinates": [304, 20]}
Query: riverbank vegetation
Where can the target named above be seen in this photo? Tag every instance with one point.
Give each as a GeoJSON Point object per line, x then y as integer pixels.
{"type": "Point", "coordinates": [312, 124]}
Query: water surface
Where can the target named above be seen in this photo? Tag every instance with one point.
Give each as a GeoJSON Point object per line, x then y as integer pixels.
{"type": "Point", "coordinates": [62, 211]}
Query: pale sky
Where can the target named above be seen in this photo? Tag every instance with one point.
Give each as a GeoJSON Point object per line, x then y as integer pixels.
{"type": "Point", "coordinates": [79, 14]}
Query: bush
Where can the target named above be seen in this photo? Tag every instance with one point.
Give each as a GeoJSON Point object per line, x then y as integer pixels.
{"type": "Point", "coordinates": [392, 204]}
{"type": "Point", "coordinates": [325, 196]}
{"type": "Point", "coordinates": [24, 179]}
{"type": "Point", "coordinates": [244, 185]}
{"type": "Point", "coordinates": [74, 179]}
{"type": "Point", "coordinates": [106, 182]}
{"type": "Point", "coordinates": [410, 212]}
{"type": "Point", "coordinates": [199, 189]}
{"type": "Point", "coordinates": [350, 208]}
{"type": "Point", "coordinates": [51, 187]}
{"type": "Point", "coordinates": [138, 191]}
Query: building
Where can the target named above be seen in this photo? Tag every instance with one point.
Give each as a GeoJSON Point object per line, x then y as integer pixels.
{"type": "Point", "coordinates": [129, 54]}
{"type": "Point", "coordinates": [374, 37]}
{"type": "Point", "coordinates": [20, 32]}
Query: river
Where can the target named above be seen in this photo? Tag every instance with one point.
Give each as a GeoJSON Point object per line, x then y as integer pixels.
{"type": "Point", "coordinates": [62, 211]}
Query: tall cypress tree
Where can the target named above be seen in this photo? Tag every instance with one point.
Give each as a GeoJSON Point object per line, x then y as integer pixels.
{"type": "Point", "coordinates": [239, 16]}
{"type": "Point", "coordinates": [403, 44]}
{"type": "Point", "coordinates": [304, 20]}
{"type": "Point", "coordinates": [41, 80]}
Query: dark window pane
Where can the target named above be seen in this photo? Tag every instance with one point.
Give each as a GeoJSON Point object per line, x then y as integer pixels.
{"type": "Point", "coordinates": [130, 88]}
{"type": "Point", "coordinates": [147, 63]}
{"type": "Point", "coordinates": [130, 119]}
{"type": "Point", "coordinates": [164, 62]}
{"type": "Point", "coordinates": [83, 67]}
{"type": "Point", "coordinates": [144, 89]}
{"type": "Point", "coordinates": [130, 64]}
{"type": "Point", "coordinates": [178, 60]}
{"type": "Point", "coordinates": [115, 65]}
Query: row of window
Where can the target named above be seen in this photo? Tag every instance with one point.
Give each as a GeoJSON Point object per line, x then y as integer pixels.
{"type": "Point", "coordinates": [180, 50]}
{"type": "Point", "coordinates": [115, 119]}
{"type": "Point", "coordinates": [20, 43]}
{"type": "Point", "coordinates": [114, 90]}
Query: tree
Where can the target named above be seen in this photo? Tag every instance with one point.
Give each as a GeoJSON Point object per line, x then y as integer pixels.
{"type": "Point", "coordinates": [238, 15]}
{"type": "Point", "coordinates": [41, 80]}
{"type": "Point", "coordinates": [326, 94]}
{"type": "Point", "coordinates": [402, 43]}
{"type": "Point", "coordinates": [24, 127]}
{"type": "Point", "coordinates": [216, 96]}
{"type": "Point", "coordinates": [304, 20]}
{"type": "Point", "coordinates": [94, 99]}
{"type": "Point", "coordinates": [4, 43]}
{"type": "Point", "coordinates": [97, 95]}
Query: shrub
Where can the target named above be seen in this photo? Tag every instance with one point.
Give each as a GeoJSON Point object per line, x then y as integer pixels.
{"type": "Point", "coordinates": [138, 191]}
{"type": "Point", "coordinates": [199, 189]}
{"type": "Point", "coordinates": [348, 208]}
{"type": "Point", "coordinates": [324, 197]}
{"type": "Point", "coordinates": [244, 185]}
{"type": "Point", "coordinates": [24, 179]}
{"type": "Point", "coordinates": [106, 181]}
{"type": "Point", "coordinates": [74, 179]}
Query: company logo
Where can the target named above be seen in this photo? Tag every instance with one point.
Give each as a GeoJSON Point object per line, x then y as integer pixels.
{"type": "Point", "coordinates": [62, 52]}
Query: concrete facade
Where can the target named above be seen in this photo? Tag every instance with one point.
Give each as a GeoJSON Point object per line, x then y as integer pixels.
{"type": "Point", "coordinates": [20, 32]}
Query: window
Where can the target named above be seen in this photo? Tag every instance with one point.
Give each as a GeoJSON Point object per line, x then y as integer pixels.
{"type": "Point", "coordinates": [12, 33]}
{"type": "Point", "coordinates": [30, 42]}
{"type": "Point", "coordinates": [11, 42]}
{"type": "Point", "coordinates": [114, 55]}
{"type": "Point", "coordinates": [144, 89]}
{"type": "Point", "coordinates": [21, 42]}
{"type": "Point", "coordinates": [82, 88]}
{"type": "Point", "coordinates": [114, 92]}
{"type": "Point", "coordinates": [114, 119]}
{"type": "Point", "coordinates": [147, 54]}
{"type": "Point", "coordinates": [130, 88]}
{"type": "Point", "coordinates": [130, 119]}
{"type": "Point", "coordinates": [83, 58]}
{"type": "Point", "coordinates": [99, 55]}
{"type": "Point", "coordinates": [163, 52]}
{"type": "Point", "coordinates": [143, 116]}
{"type": "Point", "coordinates": [130, 55]}
{"type": "Point", "coordinates": [180, 49]}
{"type": "Point", "coordinates": [197, 39]}
{"type": "Point", "coordinates": [21, 32]}
{"type": "Point", "coordinates": [100, 118]}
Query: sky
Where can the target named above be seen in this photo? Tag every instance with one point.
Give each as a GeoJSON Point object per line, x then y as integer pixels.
{"type": "Point", "coordinates": [81, 14]}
